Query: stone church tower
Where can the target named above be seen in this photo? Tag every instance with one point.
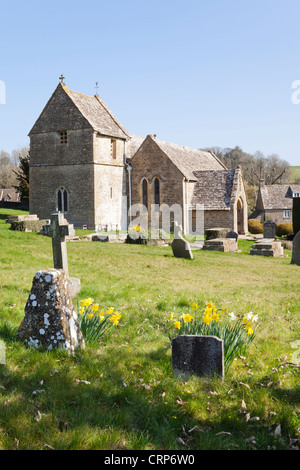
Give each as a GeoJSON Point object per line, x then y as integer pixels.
{"type": "Point", "coordinates": [78, 162]}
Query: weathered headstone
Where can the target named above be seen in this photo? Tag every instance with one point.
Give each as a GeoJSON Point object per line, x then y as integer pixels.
{"type": "Point", "coordinates": [50, 319]}
{"type": "Point", "coordinates": [296, 250]}
{"type": "Point", "coordinates": [270, 229]}
{"type": "Point", "coordinates": [197, 355]}
{"type": "Point", "coordinates": [224, 245]}
{"type": "Point", "coordinates": [232, 234]}
{"type": "Point", "coordinates": [216, 232]}
{"type": "Point", "coordinates": [58, 230]}
{"type": "Point", "coordinates": [267, 248]}
{"type": "Point", "coordinates": [181, 247]}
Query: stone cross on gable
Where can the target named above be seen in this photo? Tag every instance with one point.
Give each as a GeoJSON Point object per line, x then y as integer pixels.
{"type": "Point", "coordinates": [58, 230]}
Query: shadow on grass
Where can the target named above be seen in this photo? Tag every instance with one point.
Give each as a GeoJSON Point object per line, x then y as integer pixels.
{"type": "Point", "coordinates": [94, 402]}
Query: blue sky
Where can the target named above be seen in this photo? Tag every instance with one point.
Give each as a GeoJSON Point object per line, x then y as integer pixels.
{"type": "Point", "coordinates": [197, 73]}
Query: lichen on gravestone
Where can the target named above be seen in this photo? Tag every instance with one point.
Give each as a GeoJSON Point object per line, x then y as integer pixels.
{"type": "Point", "coordinates": [50, 319]}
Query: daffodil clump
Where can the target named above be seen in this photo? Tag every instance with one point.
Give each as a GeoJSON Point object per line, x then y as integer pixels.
{"type": "Point", "coordinates": [95, 321]}
{"type": "Point", "coordinates": [237, 331]}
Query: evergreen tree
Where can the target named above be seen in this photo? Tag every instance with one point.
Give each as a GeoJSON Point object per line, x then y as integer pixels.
{"type": "Point", "coordinates": [23, 177]}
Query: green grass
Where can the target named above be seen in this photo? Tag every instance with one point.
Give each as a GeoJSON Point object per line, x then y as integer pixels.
{"type": "Point", "coordinates": [295, 173]}
{"type": "Point", "coordinates": [132, 400]}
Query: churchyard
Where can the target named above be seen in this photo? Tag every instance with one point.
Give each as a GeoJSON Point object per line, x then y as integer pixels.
{"type": "Point", "coordinates": [121, 393]}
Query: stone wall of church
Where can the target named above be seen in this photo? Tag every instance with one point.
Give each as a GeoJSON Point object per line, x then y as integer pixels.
{"type": "Point", "coordinates": [110, 183]}
{"type": "Point", "coordinates": [110, 197]}
{"type": "Point", "coordinates": [150, 163]}
{"type": "Point", "coordinates": [53, 165]}
{"type": "Point", "coordinates": [78, 180]}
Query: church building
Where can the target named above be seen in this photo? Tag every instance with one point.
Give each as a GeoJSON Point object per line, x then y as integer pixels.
{"type": "Point", "coordinates": [84, 163]}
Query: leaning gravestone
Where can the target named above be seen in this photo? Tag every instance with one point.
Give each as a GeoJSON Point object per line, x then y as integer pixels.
{"type": "Point", "coordinates": [58, 230]}
{"type": "Point", "coordinates": [181, 248]}
{"type": "Point", "coordinates": [50, 319]}
{"type": "Point", "coordinates": [296, 250]}
{"type": "Point", "coordinates": [197, 355]}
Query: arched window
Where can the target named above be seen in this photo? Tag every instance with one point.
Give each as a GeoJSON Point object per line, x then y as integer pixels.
{"type": "Point", "coordinates": [62, 200]}
{"type": "Point", "coordinates": [156, 192]}
{"type": "Point", "coordinates": [145, 193]}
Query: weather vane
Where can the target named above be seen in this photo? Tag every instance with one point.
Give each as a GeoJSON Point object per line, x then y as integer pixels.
{"type": "Point", "coordinates": [62, 78]}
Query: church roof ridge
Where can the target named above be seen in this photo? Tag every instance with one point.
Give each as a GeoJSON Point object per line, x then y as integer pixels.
{"type": "Point", "coordinates": [189, 160]}
{"type": "Point", "coordinates": [89, 108]}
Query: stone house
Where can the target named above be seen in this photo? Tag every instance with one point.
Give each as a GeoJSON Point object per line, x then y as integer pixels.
{"type": "Point", "coordinates": [275, 202]}
{"type": "Point", "coordinates": [84, 163]}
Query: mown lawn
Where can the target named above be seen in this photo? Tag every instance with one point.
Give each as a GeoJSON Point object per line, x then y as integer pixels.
{"type": "Point", "coordinates": [121, 393]}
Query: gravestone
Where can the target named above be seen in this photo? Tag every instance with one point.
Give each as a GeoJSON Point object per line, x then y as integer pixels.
{"type": "Point", "coordinates": [58, 230]}
{"type": "Point", "coordinates": [225, 245]}
{"type": "Point", "coordinates": [197, 355]}
{"type": "Point", "coordinates": [270, 229]}
{"type": "Point", "coordinates": [296, 250]}
{"type": "Point", "coordinates": [181, 248]}
{"type": "Point", "coordinates": [232, 234]}
{"type": "Point", "coordinates": [267, 248]}
{"type": "Point", "coordinates": [50, 319]}
{"type": "Point", "coordinates": [216, 232]}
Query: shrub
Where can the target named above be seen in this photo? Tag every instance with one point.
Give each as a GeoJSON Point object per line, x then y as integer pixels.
{"type": "Point", "coordinates": [255, 226]}
{"type": "Point", "coordinates": [284, 229]}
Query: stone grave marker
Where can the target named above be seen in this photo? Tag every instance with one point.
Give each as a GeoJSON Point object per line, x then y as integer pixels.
{"type": "Point", "coordinates": [181, 247]}
{"type": "Point", "coordinates": [296, 250]}
{"type": "Point", "coordinates": [232, 234]}
{"type": "Point", "coordinates": [270, 229]}
{"type": "Point", "coordinates": [58, 230]}
{"type": "Point", "coordinates": [50, 319]}
{"type": "Point", "coordinates": [267, 248]}
{"type": "Point", "coordinates": [197, 355]}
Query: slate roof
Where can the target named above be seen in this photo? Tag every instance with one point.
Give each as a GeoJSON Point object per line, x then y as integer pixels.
{"type": "Point", "coordinates": [215, 189]}
{"type": "Point", "coordinates": [91, 109]}
{"type": "Point", "coordinates": [278, 196]}
{"type": "Point", "coordinates": [135, 143]}
{"type": "Point", "coordinates": [98, 114]}
{"type": "Point", "coordinates": [189, 160]}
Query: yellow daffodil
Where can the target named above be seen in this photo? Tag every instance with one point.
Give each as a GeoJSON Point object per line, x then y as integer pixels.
{"type": "Point", "coordinates": [224, 310]}
{"type": "Point", "coordinates": [110, 310]}
{"type": "Point", "coordinates": [115, 318]}
{"type": "Point", "coordinates": [215, 317]}
{"type": "Point", "coordinates": [81, 310]}
{"type": "Point", "coordinates": [86, 302]}
{"type": "Point", "coordinates": [177, 324]}
{"type": "Point", "coordinates": [210, 305]}
{"type": "Point", "coordinates": [207, 319]}
{"type": "Point", "coordinates": [95, 307]}
{"type": "Point", "coordinates": [187, 318]}
{"type": "Point", "coordinates": [207, 311]}
{"type": "Point", "coordinates": [194, 306]}
{"type": "Point", "coordinates": [90, 315]}
{"type": "Point", "coordinates": [171, 316]}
